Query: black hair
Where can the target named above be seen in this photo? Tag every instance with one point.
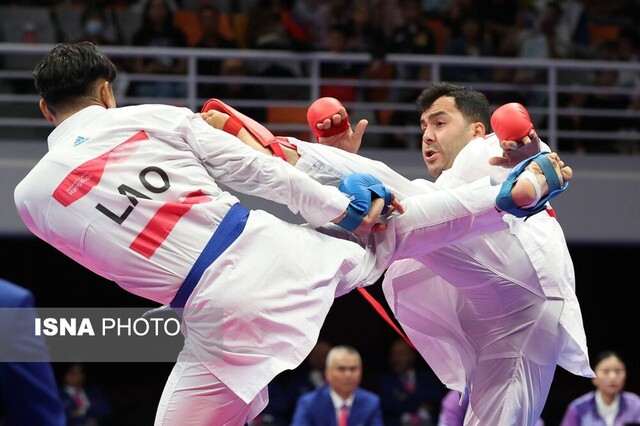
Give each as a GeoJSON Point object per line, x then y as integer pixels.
{"type": "Point", "coordinates": [167, 22]}
{"type": "Point", "coordinates": [604, 355]}
{"type": "Point", "coordinates": [473, 105]}
{"type": "Point", "coordinates": [70, 71]}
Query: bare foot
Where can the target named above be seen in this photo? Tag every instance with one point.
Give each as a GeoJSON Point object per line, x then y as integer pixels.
{"type": "Point", "coordinates": [523, 192]}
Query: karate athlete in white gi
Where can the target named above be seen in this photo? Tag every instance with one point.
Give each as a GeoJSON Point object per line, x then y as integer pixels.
{"type": "Point", "coordinates": [492, 315]}
{"type": "Point", "coordinates": [132, 194]}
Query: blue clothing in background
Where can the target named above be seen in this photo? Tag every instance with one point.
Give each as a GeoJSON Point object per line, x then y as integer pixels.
{"type": "Point", "coordinates": [316, 408]}
{"type": "Point", "coordinates": [582, 411]}
{"type": "Point", "coordinates": [28, 390]}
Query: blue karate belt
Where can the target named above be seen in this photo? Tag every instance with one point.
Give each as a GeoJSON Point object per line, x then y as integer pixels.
{"type": "Point", "coordinates": [227, 232]}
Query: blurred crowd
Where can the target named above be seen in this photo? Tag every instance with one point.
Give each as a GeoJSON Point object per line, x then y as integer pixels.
{"type": "Point", "coordinates": [546, 29]}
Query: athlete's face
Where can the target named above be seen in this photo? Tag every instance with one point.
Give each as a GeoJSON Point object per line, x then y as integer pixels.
{"type": "Point", "coordinates": [611, 375]}
{"type": "Point", "coordinates": [444, 133]}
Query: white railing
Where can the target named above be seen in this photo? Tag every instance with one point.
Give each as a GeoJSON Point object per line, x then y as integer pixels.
{"type": "Point", "coordinates": [602, 205]}
{"type": "Point", "coordinates": [555, 79]}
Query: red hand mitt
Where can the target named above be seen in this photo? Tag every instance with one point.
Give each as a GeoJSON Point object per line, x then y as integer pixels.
{"type": "Point", "coordinates": [511, 122]}
{"type": "Point", "coordinates": [322, 109]}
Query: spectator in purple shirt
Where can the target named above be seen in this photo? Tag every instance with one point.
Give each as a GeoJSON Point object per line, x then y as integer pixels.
{"type": "Point", "coordinates": [608, 404]}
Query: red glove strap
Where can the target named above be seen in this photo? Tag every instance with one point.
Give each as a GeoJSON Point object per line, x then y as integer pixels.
{"type": "Point", "coordinates": [333, 130]}
{"type": "Point", "coordinates": [322, 109]}
{"type": "Point", "coordinates": [233, 125]}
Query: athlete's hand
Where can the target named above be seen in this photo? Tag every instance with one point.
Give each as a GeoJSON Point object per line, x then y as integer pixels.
{"type": "Point", "coordinates": [329, 122]}
{"type": "Point", "coordinates": [513, 152]}
{"type": "Point", "coordinates": [349, 141]}
{"type": "Point", "coordinates": [512, 125]}
{"type": "Point", "coordinates": [371, 222]}
{"type": "Point", "coordinates": [215, 118]}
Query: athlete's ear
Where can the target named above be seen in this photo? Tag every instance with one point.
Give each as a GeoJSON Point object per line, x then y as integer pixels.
{"type": "Point", "coordinates": [45, 111]}
{"type": "Point", "coordinates": [106, 95]}
{"type": "Point", "coordinates": [478, 129]}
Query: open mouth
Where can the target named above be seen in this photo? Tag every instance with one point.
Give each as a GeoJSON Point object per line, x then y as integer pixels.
{"type": "Point", "coordinates": [429, 154]}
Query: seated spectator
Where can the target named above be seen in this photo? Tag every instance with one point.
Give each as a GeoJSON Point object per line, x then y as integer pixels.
{"type": "Point", "coordinates": [609, 403]}
{"type": "Point", "coordinates": [498, 21]}
{"type": "Point", "coordinates": [469, 43]}
{"type": "Point", "coordinates": [28, 391]}
{"type": "Point", "coordinates": [363, 33]}
{"type": "Point", "coordinates": [572, 22]}
{"type": "Point", "coordinates": [96, 26]}
{"type": "Point", "coordinates": [327, 14]}
{"type": "Point", "coordinates": [458, 12]}
{"type": "Point", "coordinates": [337, 41]}
{"type": "Point", "coordinates": [211, 39]}
{"type": "Point", "coordinates": [342, 401]}
{"type": "Point", "coordinates": [411, 36]}
{"type": "Point", "coordinates": [409, 395]}
{"type": "Point", "coordinates": [85, 405]}
{"type": "Point", "coordinates": [158, 30]}
{"type": "Point", "coordinates": [271, 25]}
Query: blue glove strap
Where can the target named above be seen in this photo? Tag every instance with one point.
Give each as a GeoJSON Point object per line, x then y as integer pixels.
{"type": "Point", "coordinates": [361, 188]}
{"type": "Point", "coordinates": [352, 220]}
{"type": "Point", "coordinates": [504, 201]}
{"type": "Point", "coordinates": [382, 192]}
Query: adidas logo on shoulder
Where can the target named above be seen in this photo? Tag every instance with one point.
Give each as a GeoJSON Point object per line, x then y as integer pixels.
{"type": "Point", "coordinates": [80, 140]}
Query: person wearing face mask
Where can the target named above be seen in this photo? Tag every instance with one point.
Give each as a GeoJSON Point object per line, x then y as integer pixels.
{"type": "Point", "coordinates": [609, 404]}
{"type": "Point", "coordinates": [95, 26]}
